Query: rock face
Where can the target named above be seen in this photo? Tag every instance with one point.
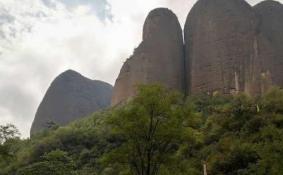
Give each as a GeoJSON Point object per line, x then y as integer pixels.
{"type": "Point", "coordinates": [219, 41]}
{"type": "Point", "coordinates": [229, 47]}
{"type": "Point", "coordinates": [71, 96]}
{"type": "Point", "coordinates": [269, 45]}
{"type": "Point", "coordinates": [158, 59]}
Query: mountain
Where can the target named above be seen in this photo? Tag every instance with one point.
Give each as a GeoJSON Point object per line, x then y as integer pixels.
{"type": "Point", "coordinates": [158, 59]}
{"type": "Point", "coordinates": [219, 37]}
{"type": "Point", "coordinates": [229, 47]}
{"type": "Point", "coordinates": [70, 97]}
{"type": "Point", "coordinates": [269, 43]}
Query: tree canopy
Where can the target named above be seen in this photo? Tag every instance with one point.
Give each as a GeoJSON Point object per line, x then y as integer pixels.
{"type": "Point", "coordinates": [159, 132]}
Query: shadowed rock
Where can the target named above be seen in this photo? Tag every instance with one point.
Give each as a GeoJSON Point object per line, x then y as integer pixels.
{"type": "Point", "coordinates": [219, 37]}
{"type": "Point", "coordinates": [159, 59]}
{"type": "Point", "coordinates": [269, 45]}
{"type": "Point", "coordinates": [70, 97]}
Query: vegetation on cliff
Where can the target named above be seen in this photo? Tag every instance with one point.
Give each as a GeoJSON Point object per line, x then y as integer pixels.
{"type": "Point", "coordinates": [158, 132]}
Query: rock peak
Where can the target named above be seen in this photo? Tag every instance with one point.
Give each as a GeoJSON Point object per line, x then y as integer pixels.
{"type": "Point", "coordinates": [160, 11]}
{"type": "Point", "coordinates": [71, 96]}
{"type": "Point", "coordinates": [69, 73]}
{"type": "Point", "coordinates": [270, 14]}
{"type": "Point", "coordinates": [218, 38]}
{"type": "Point", "coordinates": [229, 47]}
{"type": "Point", "coordinates": [159, 59]}
{"type": "Point", "coordinates": [270, 3]}
{"type": "Point", "coordinates": [157, 21]}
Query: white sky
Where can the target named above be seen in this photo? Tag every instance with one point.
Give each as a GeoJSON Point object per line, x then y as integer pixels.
{"type": "Point", "coordinates": [39, 39]}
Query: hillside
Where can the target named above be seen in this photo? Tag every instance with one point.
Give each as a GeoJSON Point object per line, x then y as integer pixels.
{"type": "Point", "coordinates": [206, 99]}
{"type": "Point", "coordinates": [230, 135]}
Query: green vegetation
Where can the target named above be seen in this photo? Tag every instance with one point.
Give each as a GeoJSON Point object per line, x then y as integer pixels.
{"type": "Point", "coordinates": [55, 162]}
{"type": "Point", "coordinates": [158, 133]}
{"type": "Point", "coordinates": [8, 132]}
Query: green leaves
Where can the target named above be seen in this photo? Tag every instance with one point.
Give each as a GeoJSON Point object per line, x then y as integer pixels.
{"type": "Point", "coordinates": [7, 132]}
{"type": "Point", "coordinates": [159, 133]}
{"type": "Point", "coordinates": [56, 163]}
{"type": "Point", "coordinates": [150, 127]}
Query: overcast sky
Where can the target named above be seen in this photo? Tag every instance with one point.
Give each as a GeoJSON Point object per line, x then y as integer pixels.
{"type": "Point", "coordinates": [39, 39]}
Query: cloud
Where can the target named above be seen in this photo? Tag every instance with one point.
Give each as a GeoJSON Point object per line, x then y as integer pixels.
{"type": "Point", "coordinates": [101, 8]}
{"type": "Point", "coordinates": [49, 40]}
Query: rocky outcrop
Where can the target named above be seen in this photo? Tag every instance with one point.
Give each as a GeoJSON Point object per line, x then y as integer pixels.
{"type": "Point", "coordinates": [158, 59]}
{"type": "Point", "coordinates": [219, 41]}
{"type": "Point", "coordinates": [70, 97]}
{"type": "Point", "coordinates": [269, 45]}
{"type": "Point", "coordinates": [270, 14]}
{"type": "Point", "coordinates": [230, 47]}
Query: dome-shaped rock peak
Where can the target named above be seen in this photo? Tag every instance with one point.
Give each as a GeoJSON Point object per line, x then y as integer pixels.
{"type": "Point", "coordinates": [159, 59]}
{"type": "Point", "coordinates": [219, 37]}
{"type": "Point", "coordinates": [70, 97]}
{"type": "Point", "coordinates": [270, 43]}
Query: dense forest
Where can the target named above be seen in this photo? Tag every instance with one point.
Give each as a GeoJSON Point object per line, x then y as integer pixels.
{"type": "Point", "coordinates": [159, 132]}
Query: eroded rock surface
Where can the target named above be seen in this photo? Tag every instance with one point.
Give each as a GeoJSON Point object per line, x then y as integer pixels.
{"type": "Point", "coordinates": [159, 59]}
{"type": "Point", "coordinates": [219, 41]}
{"type": "Point", "coordinates": [269, 45]}
{"type": "Point", "coordinates": [70, 97]}
{"type": "Point", "coordinates": [230, 47]}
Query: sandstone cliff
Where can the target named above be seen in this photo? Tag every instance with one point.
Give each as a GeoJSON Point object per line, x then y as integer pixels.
{"type": "Point", "coordinates": [219, 37]}
{"type": "Point", "coordinates": [158, 59]}
{"type": "Point", "coordinates": [269, 45]}
{"type": "Point", "coordinates": [71, 96]}
{"type": "Point", "coordinates": [229, 47]}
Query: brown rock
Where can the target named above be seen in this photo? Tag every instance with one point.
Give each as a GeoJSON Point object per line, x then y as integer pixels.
{"type": "Point", "coordinates": [70, 97]}
{"type": "Point", "coordinates": [219, 41]}
{"type": "Point", "coordinates": [269, 45]}
{"type": "Point", "coordinates": [158, 59]}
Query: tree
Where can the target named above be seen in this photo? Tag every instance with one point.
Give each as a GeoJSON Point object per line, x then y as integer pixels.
{"type": "Point", "coordinates": [9, 138]}
{"type": "Point", "coordinates": [7, 132]}
{"type": "Point", "coordinates": [272, 101]}
{"type": "Point", "coordinates": [150, 128]}
{"type": "Point", "coordinates": [56, 163]}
